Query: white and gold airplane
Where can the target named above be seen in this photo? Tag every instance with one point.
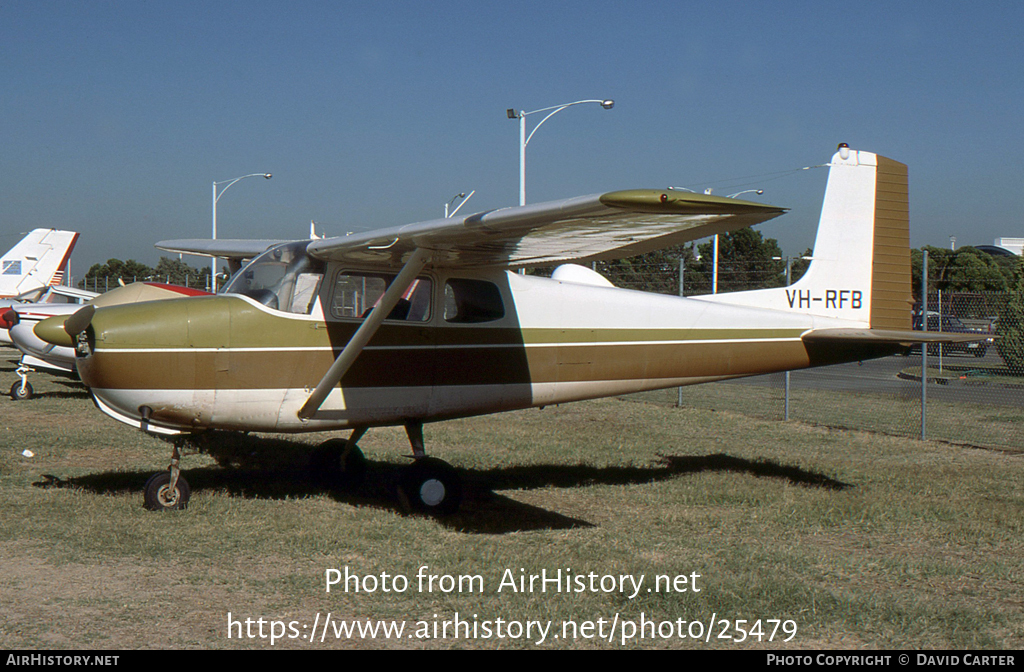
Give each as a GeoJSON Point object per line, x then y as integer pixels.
{"type": "Point", "coordinates": [429, 321]}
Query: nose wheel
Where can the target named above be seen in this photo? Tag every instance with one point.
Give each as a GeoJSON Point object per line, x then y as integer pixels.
{"type": "Point", "coordinates": [161, 495]}
{"type": "Point", "coordinates": [22, 389]}
{"type": "Point", "coordinates": [167, 490]}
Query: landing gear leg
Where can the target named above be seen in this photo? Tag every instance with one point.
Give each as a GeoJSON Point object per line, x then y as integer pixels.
{"type": "Point", "coordinates": [22, 390]}
{"type": "Point", "coordinates": [168, 490]}
{"type": "Point", "coordinates": [428, 485]}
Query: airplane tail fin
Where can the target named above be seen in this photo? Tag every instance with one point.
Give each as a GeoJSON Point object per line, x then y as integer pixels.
{"type": "Point", "coordinates": [860, 268]}
{"type": "Point", "coordinates": [38, 261]}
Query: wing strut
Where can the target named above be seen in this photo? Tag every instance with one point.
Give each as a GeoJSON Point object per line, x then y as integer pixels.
{"type": "Point", "coordinates": [367, 329]}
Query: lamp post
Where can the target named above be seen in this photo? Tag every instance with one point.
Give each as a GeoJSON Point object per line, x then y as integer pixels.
{"type": "Point", "coordinates": [456, 197]}
{"type": "Point", "coordinates": [524, 139]}
{"type": "Point", "coordinates": [216, 197]}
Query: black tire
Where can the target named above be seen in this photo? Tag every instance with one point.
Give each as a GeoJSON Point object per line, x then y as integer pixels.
{"type": "Point", "coordinates": [20, 392]}
{"type": "Point", "coordinates": [159, 497]}
{"type": "Point", "coordinates": [431, 486]}
{"type": "Point", "coordinates": [327, 467]}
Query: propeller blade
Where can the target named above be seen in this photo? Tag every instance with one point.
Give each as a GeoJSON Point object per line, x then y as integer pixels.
{"type": "Point", "coordinates": [79, 320]}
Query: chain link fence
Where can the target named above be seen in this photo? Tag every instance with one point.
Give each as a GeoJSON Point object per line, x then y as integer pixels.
{"type": "Point", "coordinates": [972, 396]}
{"type": "Point", "coordinates": [101, 284]}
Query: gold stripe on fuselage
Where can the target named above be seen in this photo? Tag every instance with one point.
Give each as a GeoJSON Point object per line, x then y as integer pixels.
{"type": "Point", "coordinates": [418, 365]}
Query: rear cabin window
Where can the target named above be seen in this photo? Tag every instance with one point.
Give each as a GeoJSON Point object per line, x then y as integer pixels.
{"type": "Point", "coordinates": [355, 295]}
{"type": "Point", "coordinates": [472, 301]}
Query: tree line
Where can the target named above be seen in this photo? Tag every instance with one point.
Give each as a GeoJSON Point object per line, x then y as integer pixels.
{"type": "Point", "coordinates": [171, 271]}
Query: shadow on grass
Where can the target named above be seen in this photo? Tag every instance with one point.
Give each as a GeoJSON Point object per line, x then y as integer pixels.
{"type": "Point", "coordinates": [79, 393]}
{"type": "Point", "coordinates": [269, 468]}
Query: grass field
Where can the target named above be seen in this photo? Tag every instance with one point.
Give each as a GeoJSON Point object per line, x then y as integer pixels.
{"type": "Point", "coordinates": [860, 540]}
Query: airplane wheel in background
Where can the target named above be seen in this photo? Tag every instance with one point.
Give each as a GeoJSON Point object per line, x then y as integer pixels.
{"type": "Point", "coordinates": [326, 465]}
{"type": "Point", "coordinates": [431, 486]}
{"type": "Point", "coordinates": [19, 391]}
{"type": "Point", "coordinates": [160, 497]}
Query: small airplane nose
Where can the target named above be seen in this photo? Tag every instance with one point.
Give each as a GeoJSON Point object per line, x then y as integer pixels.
{"type": "Point", "coordinates": [62, 329]}
{"type": "Point", "coordinates": [52, 331]}
{"type": "Point", "coordinates": [8, 319]}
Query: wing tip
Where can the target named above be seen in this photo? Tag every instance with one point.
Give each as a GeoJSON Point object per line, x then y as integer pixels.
{"type": "Point", "coordinates": [667, 201]}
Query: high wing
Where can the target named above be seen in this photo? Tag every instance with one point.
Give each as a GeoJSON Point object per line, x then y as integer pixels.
{"type": "Point", "coordinates": [221, 247]}
{"type": "Point", "coordinates": [588, 228]}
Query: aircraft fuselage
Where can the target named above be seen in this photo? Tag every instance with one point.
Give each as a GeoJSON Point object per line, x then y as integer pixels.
{"type": "Point", "coordinates": [230, 362]}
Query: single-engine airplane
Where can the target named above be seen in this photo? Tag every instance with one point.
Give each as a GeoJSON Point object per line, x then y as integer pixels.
{"type": "Point", "coordinates": [37, 354]}
{"type": "Point", "coordinates": [54, 295]}
{"type": "Point", "coordinates": [427, 322]}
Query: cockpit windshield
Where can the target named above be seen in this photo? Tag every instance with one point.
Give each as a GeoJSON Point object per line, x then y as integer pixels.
{"type": "Point", "coordinates": [282, 278]}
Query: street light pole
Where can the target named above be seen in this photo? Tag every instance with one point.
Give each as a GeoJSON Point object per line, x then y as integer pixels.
{"type": "Point", "coordinates": [714, 264]}
{"type": "Point", "coordinates": [216, 197]}
{"type": "Point", "coordinates": [524, 139]}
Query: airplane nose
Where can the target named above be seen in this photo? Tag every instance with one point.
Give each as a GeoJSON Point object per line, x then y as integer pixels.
{"type": "Point", "coordinates": [62, 329]}
{"type": "Point", "coordinates": [52, 331]}
{"type": "Point", "coordinates": [8, 319]}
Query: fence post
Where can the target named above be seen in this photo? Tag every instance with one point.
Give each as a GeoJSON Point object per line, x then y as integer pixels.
{"type": "Point", "coordinates": [924, 346]}
{"type": "Point", "coordinates": [785, 404]}
{"type": "Point", "coordinates": [682, 267]}
{"type": "Point", "coordinates": [940, 329]}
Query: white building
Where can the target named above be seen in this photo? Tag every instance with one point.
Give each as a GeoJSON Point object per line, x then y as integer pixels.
{"type": "Point", "coordinates": [1015, 245]}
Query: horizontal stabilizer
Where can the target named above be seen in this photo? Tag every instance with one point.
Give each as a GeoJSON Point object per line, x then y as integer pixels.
{"type": "Point", "coordinates": [890, 336]}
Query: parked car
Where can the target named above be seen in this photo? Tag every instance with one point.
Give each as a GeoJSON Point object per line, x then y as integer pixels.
{"type": "Point", "coordinates": [952, 324]}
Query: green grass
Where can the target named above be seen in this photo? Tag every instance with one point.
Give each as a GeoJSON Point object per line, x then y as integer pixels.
{"type": "Point", "coordinates": [863, 540]}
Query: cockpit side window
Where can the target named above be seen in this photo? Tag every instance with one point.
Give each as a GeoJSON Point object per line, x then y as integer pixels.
{"type": "Point", "coordinates": [470, 301]}
{"type": "Point", "coordinates": [356, 293]}
{"type": "Point", "coordinates": [283, 278]}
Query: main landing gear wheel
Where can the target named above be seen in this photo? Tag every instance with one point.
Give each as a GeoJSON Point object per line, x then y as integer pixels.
{"type": "Point", "coordinates": [330, 464]}
{"type": "Point", "coordinates": [20, 391]}
{"type": "Point", "coordinates": [431, 486]}
{"type": "Point", "coordinates": [159, 496]}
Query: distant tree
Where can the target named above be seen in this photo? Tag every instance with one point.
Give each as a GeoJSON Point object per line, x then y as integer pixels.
{"type": "Point", "coordinates": [656, 271]}
{"type": "Point", "coordinates": [106, 276]}
{"type": "Point", "coordinates": [800, 265]}
{"type": "Point", "coordinates": [967, 269]}
{"type": "Point", "coordinates": [746, 260]}
{"type": "Point", "coordinates": [177, 272]}
{"type": "Point", "coordinates": [1010, 343]}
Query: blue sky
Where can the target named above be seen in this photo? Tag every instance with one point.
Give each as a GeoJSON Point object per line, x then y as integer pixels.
{"type": "Point", "coordinates": [117, 116]}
